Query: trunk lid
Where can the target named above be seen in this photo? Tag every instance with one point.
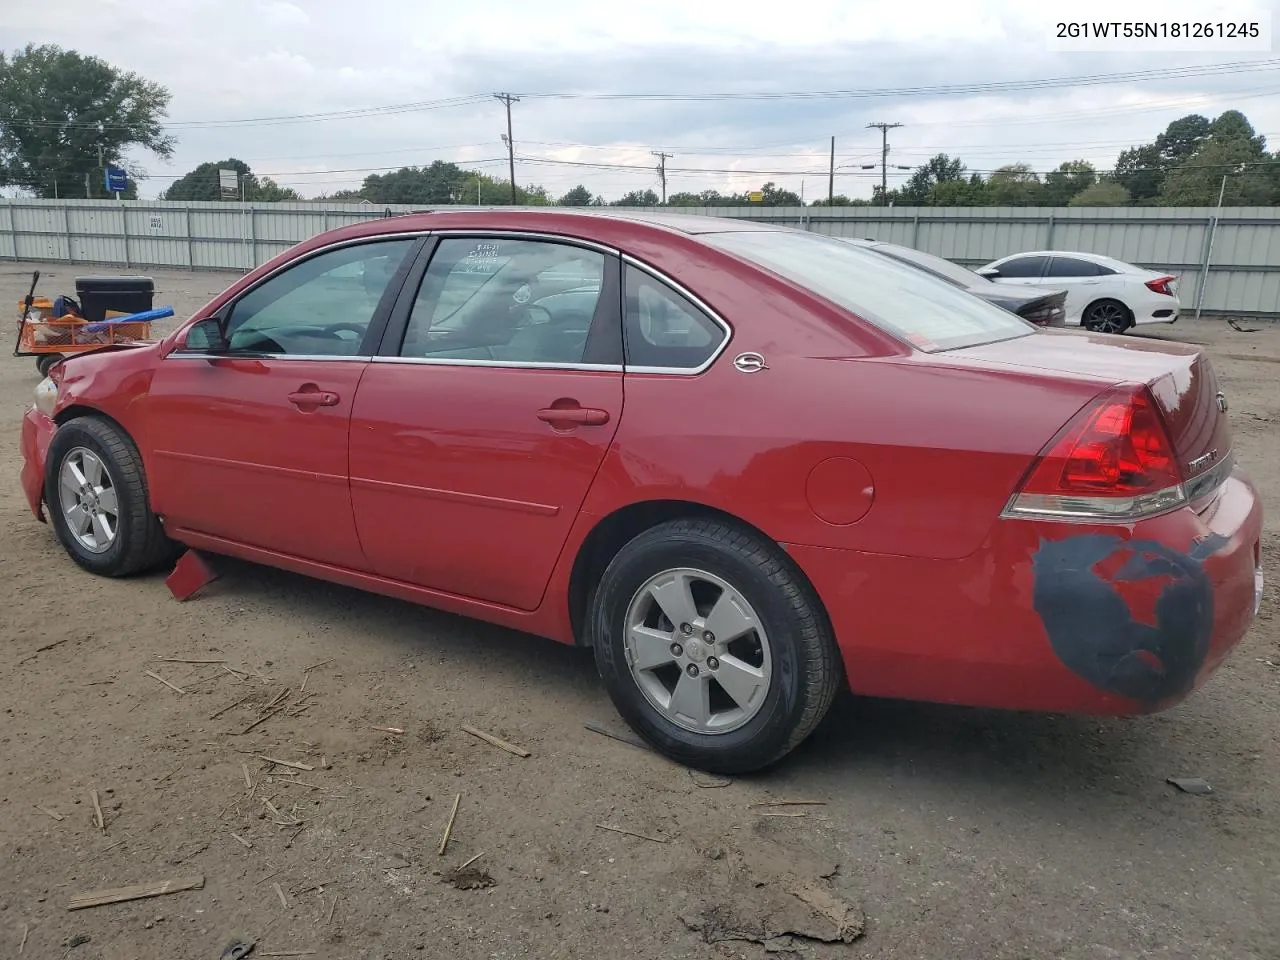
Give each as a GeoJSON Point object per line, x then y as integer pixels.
{"type": "Point", "coordinates": [1180, 378]}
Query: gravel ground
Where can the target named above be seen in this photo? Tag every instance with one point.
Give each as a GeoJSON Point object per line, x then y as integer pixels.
{"type": "Point", "coordinates": [943, 832]}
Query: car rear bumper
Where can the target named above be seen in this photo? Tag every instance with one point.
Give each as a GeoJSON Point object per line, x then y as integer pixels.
{"type": "Point", "coordinates": [37, 432]}
{"type": "Point", "coordinates": [1052, 616]}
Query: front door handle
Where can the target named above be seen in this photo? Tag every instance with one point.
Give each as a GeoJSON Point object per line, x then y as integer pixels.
{"type": "Point", "coordinates": [586, 416]}
{"type": "Point", "coordinates": [313, 398]}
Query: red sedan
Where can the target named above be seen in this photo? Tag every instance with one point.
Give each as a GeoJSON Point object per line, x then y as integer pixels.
{"type": "Point", "coordinates": [747, 465]}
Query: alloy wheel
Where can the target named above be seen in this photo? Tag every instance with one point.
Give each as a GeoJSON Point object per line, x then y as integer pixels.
{"type": "Point", "coordinates": [87, 496]}
{"type": "Point", "coordinates": [698, 651]}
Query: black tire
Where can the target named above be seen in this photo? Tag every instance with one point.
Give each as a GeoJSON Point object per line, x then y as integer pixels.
{"type": "Point", "coordinates": [140, 543]}
{"type": "Point", "coordinates": [1106, 316]}
{"type": "Point", "coordinates": [45, 362]}
{"type": "Point", "coordinates": [806, 667]}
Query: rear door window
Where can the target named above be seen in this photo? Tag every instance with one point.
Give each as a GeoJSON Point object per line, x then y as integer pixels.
{"type": "Point", "coordinates": [1072, 267]}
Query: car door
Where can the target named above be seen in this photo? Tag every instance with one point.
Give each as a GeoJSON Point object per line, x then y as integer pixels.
{"type": "Point", "coordinates": [1082, 279]}
{"type": "Point", "coordinates": [1020, 271]}
{"type": "Point", "coordinates": [249, 438]}
{"type": "Point", "coordinates": [479, 428]}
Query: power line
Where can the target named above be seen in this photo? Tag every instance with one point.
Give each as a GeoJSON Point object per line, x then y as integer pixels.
{"type": "Point", "coordinates": [998, 86]}
{"type": "Point", "coordinates": [1001, 86]}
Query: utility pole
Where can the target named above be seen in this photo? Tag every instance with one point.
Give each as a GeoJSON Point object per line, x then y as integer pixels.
{"type": "Point", "coordinates": [508, 99]}
{"type": "Point", "coordinates": [884, 129]}
{"type": "Point", "coordinates": [662, 170]}
{"type": "Point", "coordinates": [831, 176]}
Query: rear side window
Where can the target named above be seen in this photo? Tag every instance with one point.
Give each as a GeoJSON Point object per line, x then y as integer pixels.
{"type": "Point", "coordinates": [1023, 268]}
{"type": "Point", "coordinates": [1073, 267]}
{"type": "Point", "coordinates": [925, 311]}
{"type": "Point", "coordinates": [663, 328]}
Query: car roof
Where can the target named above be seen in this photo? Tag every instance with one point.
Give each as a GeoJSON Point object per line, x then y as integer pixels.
{"type": "Point", "coordinates": [628, 231]}
{"type": "Point", "coordinates": [681, 222]}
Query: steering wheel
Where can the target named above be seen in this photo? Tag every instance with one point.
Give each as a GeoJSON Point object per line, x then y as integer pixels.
{"type": "Point", "coordinates": [335, 328]}
{"type": "Point", "coordinates": [533, 319]}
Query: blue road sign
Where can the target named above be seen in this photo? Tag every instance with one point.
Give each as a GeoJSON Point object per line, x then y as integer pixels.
{"type": "Point", "coordinates": [117, 179]}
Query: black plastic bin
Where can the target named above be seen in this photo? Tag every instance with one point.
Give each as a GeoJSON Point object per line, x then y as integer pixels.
{"type": "Point", "coordinates": [97, 295]}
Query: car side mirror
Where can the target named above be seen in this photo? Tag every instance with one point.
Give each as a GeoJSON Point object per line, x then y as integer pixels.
{"type": "Point", "coordinates": [207, 336]}
{"type": "Point", "coordinates": [989, 272]}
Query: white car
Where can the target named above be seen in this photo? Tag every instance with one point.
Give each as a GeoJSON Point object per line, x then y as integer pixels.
{"type": "Point", "coordinates": [1103, 295]}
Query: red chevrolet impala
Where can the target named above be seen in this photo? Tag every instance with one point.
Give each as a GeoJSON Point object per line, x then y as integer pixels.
{"type": "Point", "coordinates": [747, 465]}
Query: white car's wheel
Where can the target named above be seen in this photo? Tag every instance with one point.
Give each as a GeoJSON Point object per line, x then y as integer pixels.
{"type": "Point", "coordinates": [1106, 316]}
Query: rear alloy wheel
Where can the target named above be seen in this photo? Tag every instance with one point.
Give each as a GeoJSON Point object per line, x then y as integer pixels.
{"type": "Point", "coordinates": [1106, 316]}
{"type": "Point", "coordinates": [712, 646]}
{"type": "Point", "coordinates": [97, 498]}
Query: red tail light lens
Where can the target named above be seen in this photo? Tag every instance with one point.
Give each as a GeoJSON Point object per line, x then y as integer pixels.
{"type": "Point", "coordinates": [1162, 286]}
{"type": "Point", "coordinates": [1113, 460]}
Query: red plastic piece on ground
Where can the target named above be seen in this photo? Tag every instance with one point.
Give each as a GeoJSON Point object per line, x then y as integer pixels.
{"type": "Point", "coordinates": [189, 575]}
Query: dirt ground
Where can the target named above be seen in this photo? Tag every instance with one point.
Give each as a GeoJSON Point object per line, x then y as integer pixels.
{"type": "Point", "coordinates": [936, 832]}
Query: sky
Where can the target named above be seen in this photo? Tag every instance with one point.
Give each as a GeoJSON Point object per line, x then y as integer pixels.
{"type": "Point", "coordinates": [573, 63]}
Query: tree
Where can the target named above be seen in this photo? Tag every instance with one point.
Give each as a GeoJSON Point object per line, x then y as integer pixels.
{"type": "Point", "coordinates": [1197, 181]}
{"type": "Point", "coordinates": [271, 192]}
{"type": "Point", "coordinates": [579, 196]}
{"type": "Point", "coordinates": [59, 111]}
{"type": "Point", "coordinates": [775, 196]}
{"type": "Point", "coordinates": [839, 200]}
{"type": "Point", "coordinates": [637, 198]}
{"type": "Point", "coordinates": [959, 193]}
{"type": "Point", "coordinates": [442, 183]}
{"type": "Point", "coordinates": [1105, 193]}
{"type": "Point", "coordinates": [205, 183]}
{"type": "Point", "coordinates": [707, 198]}
{"type": "Point", "coordinates": [919, 188]}
{"type": "Point", "coordinates": [1015, 185]}
{"type": "Point", "coordinates": [1139, 170]}
{"type": "Point", "coordinates": [1069, 179]}
{"type": "Point", "coordinates": [1233, 125]}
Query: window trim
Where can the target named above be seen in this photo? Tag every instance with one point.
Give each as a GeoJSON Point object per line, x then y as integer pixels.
{"type": "Point", "coordinates": [693, 298]}
{"type": "Point", "coordinates": [378, 322]}
{"type": "Point", "coordinates": [396, 318]}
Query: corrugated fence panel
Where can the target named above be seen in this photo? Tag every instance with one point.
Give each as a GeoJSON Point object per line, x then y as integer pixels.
{"type": "Point", "coordinates": [1244, 274]}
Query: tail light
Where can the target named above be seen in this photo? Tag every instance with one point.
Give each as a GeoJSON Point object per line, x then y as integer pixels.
{"type": "Point", "coordinates": [1162, 285]}
{"type": "Point", "coordinates": [1113, 461]}
{"type": "Point", "coordinates": [1046, 316]}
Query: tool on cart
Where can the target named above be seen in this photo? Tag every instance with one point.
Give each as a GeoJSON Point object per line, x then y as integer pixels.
{"type": "Point", "coordinates": [105, 311]}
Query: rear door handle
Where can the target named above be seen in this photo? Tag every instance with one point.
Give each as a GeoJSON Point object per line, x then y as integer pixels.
{"type": "Point", "coordinates": [313, 398]}
{"type": "Point", "coordinates": [587, 416]}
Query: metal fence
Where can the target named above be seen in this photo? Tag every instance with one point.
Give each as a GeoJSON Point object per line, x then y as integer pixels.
{"type": "Point", "coordinates": [1227, 261]}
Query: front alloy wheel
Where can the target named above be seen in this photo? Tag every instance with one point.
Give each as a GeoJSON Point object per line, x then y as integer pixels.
{"type": "Point", "coordinates": [87, 498]}
{"type": "Point", "coordinates": [96, 491]}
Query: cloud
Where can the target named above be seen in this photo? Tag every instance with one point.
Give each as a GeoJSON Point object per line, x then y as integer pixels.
{"type": "Point", "coordinates": [236, 59]}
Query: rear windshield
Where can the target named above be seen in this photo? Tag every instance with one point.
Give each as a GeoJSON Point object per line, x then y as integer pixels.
{"type": "Point", "coordinates": [927, 261]}
{"type": "Point", "coordinates": [926, 312]}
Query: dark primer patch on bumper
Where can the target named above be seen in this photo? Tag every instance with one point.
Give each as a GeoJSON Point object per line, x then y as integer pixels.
{"type": "Point", "coordinates": [1090, 619]}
